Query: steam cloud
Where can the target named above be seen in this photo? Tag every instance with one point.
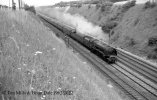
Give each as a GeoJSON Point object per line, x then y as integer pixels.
{"type": "Point", "coordinates": [77, 21]}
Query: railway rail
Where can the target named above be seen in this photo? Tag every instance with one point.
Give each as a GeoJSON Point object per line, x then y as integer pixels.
{"type": "Point", "coordinates": [135, 77]}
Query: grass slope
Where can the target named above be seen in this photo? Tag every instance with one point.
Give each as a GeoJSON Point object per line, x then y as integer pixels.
{"type": "Point", "coordinates": [33, 59]}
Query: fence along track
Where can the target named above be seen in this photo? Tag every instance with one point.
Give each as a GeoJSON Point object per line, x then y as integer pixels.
{"type": "Point", "coordinates": [115, 73]}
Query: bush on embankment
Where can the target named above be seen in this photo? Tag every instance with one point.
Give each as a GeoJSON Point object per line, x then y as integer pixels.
{"type": "Point", "coordinates": [30, 8]}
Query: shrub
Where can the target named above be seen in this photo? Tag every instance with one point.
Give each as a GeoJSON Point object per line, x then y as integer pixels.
{"type": "Point", "coordinates": [79, 5]}
{"type": "Point", "coordinates": [72, 5]}
{"type": "Point", "coordinates": [30, 8]}
{"type": "Point", "coordinates": [116, 17]}
{"type": "Point", "coordinates": [99, 17]}
{"type": "Point", "coordinates": [95, 2]}
{"type": "Point", "coordinates": [103, 7]}
{"type": "Point", "coordinates": [155, 49]}
{"type": "Point", "coordinates": [132, 42]}
{"type": "Point", "coordinates": [149, 4]}
{"type": "Point", "coordinates": [91, 2]}
{"type": "Point", "coordinates": [98, 6]}
{"type": "Point", "coordinates": [128, 5]}
{"type": "Point", "coordinates": [112, 18]}
{"type": "Point", "coordinates": [109, 26]}
{"type": "Point", "coordinates": [152, 41]}
{"type": "Point", "coordinates": [115, 37]}
{"type": "Point", "coordinates": [112, 32]}
{"type": "Point", "coordinates": [136, 22]}
{"type": "Point", "coordinates": [116, 0]}
{"type": "Point", "coordinates": [106, 6]}
{"type": "Point", "coordinates": [152, 55]}
{"type": "Point", "coordinates": [89, 6]}
{"type": "Point", "coordinates": [76, 5]}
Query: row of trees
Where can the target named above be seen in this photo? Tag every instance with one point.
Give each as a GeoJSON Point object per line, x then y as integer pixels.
{"type": "Point", "coordinates": [85, 2]}
{"type": "Point", "coordinates": [29, 8]}
{"type": "Point", "coordinates": [3, 6]}
{"type": "Point", "coordinates": [80, 3]}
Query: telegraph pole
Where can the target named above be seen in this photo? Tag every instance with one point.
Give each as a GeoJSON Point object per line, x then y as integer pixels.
{"type": "Point", "coordinates": [19, 4]}
{"type": "Point", "coordinates": [22, 4]}
{"type": "Point", "coordinates": [9, 3]}
{"type": "Point", "coordinates": [13, 5]}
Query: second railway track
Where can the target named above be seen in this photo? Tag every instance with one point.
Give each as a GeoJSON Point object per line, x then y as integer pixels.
{"type": "Point", "coordinates": [135, 78]}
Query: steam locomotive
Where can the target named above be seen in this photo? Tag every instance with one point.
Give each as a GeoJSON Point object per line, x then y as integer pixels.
{"type": "Point", "coordinates": [96, 46]}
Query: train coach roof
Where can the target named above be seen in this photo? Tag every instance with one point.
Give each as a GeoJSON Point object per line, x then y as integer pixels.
{"type": "Point", "coordinates": [102, 44]}
{"type": "Point", "coordinates": [89, 38]}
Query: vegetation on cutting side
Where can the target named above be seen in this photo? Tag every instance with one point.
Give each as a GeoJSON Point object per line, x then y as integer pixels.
{"type": "Point", "coordinates": [76, 5]}
{"type": "Point", "coordinates": [153, 55]}
{"type": "Point", "coordinates": [91, 2]}
{"type": "Point", "coordinates": [98, 3]}
{"type": "Point", "coordinates": [149, 4]}
{"type": "Point", "coordinates": [103, 7]}
{"type": "Point", "coordinates": [152, 41]}
{"type": "Point", "coordinates": [136, 21]}
{"type": "Point", "coordinates": [98, 6]}
{"type": "Point", "coordinates": [30, 8]}
{"type": "Point", "coordinates": [89, 6]}
{"type": "Point", "coordinates": [116, 0]}
{"type": "Point", "coordinates": [109, 26]}
{"type": "Point", "coordinates": [130, 41]}
{"type": "Point", "coordinates": [106, 6]}
{"type": "Point", "coordinates": [128, 5]}
{"type": "Point", "coordinates": [64, 4]}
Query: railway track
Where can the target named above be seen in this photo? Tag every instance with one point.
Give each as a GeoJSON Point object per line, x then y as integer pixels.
{"type": "Point", "coordinates": [136, 78]}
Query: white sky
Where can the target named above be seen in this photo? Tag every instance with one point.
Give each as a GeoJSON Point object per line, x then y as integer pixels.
{"type": "Point", "coordinates": [33, 2]}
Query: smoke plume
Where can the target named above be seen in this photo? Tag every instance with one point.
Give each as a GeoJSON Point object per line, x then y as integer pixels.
{"type": "Point", "coordinates": [77, 21]}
